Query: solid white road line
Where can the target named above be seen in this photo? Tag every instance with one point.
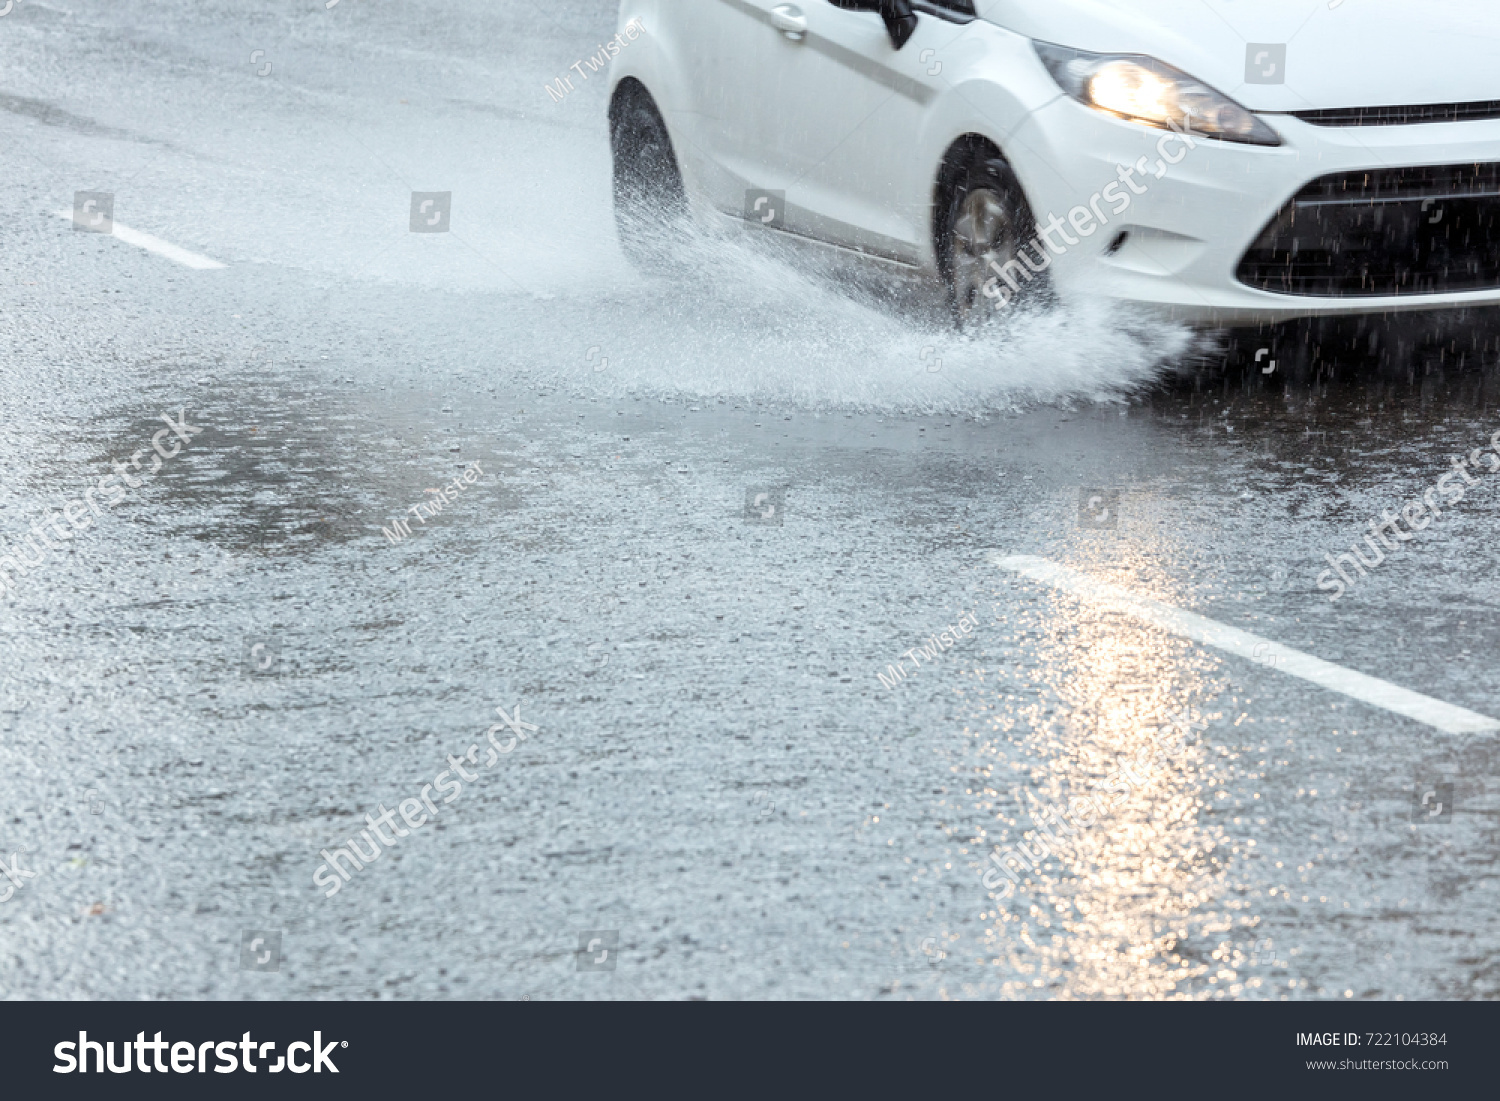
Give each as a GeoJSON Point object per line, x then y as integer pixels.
{"type": "Point", "coordinates": [1371, 690]}
{"type": "Point", "coordinates": [157, 245]}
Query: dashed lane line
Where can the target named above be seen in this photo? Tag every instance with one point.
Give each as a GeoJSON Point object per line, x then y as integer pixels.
{"type": "Point", "coordinates": [1359, 686]}
{"type": "Point", "coordinates": [157, 245]}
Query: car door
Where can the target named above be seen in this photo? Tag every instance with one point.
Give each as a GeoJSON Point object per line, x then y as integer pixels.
{"type": "Point", "coordinates": [720, 48]}
{"type": "Point", "coordinates": [837, 124]}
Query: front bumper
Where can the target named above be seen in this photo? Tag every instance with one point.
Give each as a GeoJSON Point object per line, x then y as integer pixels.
{"type": "Point", "coordinates": [1191, 223]}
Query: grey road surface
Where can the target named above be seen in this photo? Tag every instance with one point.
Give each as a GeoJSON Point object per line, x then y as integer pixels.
{"type": "Point", "coordinates": [712, 532]}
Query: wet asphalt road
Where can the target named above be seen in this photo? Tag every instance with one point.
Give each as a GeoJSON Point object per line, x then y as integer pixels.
{"type": "Point", "coordinates": [235, 664]}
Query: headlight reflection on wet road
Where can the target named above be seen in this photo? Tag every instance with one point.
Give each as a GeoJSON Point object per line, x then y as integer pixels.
{"type": "Point", "coordinates": [1096, 772]}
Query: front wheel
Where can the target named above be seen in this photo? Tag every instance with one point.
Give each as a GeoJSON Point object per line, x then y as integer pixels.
{"type": "Point", "coordinates": [651, 210]}
{"type": "Point", "coordinates": [986, 224]}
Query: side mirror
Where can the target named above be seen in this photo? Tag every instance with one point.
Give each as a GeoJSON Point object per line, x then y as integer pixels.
{"type": "Point", "coordinates": [900, 19]}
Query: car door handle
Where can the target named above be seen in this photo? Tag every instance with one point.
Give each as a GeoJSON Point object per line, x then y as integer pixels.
{"type": "Point", "coordinates": [789, 20]}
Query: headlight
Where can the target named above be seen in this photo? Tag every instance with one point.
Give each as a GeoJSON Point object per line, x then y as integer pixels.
{"type": "Point", "coordinates": [1142, 89]}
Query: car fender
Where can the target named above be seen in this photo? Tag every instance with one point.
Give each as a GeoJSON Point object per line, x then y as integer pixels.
{"type": "Point", "coordinates": [993, 83]}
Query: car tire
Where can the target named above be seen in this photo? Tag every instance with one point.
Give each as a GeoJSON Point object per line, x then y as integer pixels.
{"type": "Point", "coordinates": [651, 210]}
{"type": "Point", "coordinates": [984, 222]}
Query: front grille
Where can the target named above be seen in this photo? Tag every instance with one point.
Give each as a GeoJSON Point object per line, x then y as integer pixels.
{"type": "Point", "coordinates": [1403, 116]}
{"type": "Point", "coordinates": [1391, 231]}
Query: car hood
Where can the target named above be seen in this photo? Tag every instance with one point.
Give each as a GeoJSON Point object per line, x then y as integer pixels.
{"type": "Point", "coordinates": [1349, 53]}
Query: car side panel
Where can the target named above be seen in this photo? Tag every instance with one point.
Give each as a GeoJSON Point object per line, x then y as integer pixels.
{"type": "Point", "coordinates": [849, 123]}
{"type": "Point", "coordinates": [989, 81]}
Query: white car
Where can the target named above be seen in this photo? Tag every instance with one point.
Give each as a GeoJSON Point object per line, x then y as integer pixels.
{"type": "Point", "coordinates": [1232, 162]}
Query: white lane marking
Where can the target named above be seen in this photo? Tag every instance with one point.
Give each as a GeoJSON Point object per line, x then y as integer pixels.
{"type": "Point", "coordinates": [157, 245]}
{"type": "Point", "coordinates": [1371, 690]}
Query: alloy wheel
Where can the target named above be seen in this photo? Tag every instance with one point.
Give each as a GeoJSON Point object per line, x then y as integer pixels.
{"type": "Point", "coordinates": [983, 241]}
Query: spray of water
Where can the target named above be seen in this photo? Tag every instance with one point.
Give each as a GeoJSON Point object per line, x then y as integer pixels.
{"type": "Point", "coordinates": [747, 322]}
